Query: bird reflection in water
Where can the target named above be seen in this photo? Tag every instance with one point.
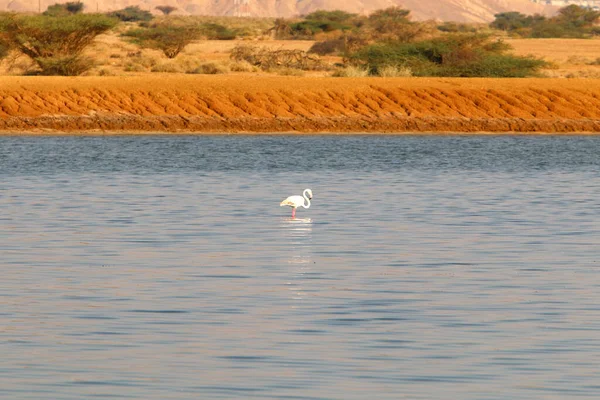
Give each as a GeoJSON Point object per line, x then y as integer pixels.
{"type": "Point", "coordinates": [298, 232]}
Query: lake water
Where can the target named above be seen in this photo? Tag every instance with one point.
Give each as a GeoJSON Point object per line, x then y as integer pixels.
{"type": "Point", "coordinates": [445, 267]}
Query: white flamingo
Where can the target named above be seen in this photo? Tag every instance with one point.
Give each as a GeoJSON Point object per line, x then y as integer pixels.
{"type": "Point", "coordinates": [298, 201]}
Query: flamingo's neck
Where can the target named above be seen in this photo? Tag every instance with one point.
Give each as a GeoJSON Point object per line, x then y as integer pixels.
{"type": "Point", "coordinates": [307, 201]}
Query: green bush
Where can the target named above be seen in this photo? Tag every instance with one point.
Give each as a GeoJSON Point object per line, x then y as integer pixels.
{"type": "Point", "coordinates": [455, 27]}
{"type": "Point", "coordinates": [170, 38]}
{"type": "Point", "coordinates": [307, 29]}
{"type": "Point", "coordinates": [212, 31]}
{"type": "Point", "coordinates": [5, 44]}
{"type": "Point", "coordinates": [332, 46]}
{"type": "Point", "coordinates": [512, 20]}
{"type": "Point", "coordinates": [458, 55]}
{"type": "Point", "coordinates": [331, 16]}
{"type": "Point", "coordinates": [4, 49]}
{"type": "Point", "coordinates": [55, 44]}
{"type": "Point", "coordinates": [132, 14]}
{"type": "Point", "coordinates": [65, 65]}
{"type": "Point", "coordinates": [314, 23]}
{"type": "Point", "coordinates": [571, 22]}
{"type": "Point", "coordinates": [62, 10]}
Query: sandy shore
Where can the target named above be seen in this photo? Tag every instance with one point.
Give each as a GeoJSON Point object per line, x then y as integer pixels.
{"type": "Point", "coordinates": [245, 103]}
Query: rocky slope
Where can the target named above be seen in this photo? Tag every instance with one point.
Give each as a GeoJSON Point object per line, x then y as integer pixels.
{"type": "Point", "coordinates": [449, 10]}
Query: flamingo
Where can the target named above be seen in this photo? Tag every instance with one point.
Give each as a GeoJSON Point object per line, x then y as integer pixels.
{"type": "Point", "coordinates": [298, 201]}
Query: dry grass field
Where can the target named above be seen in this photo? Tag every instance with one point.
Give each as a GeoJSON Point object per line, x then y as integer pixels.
{"type": "Point", "coordinates": [571, 58]}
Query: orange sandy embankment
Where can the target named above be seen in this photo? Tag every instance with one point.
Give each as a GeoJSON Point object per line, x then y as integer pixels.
{"type": "Point", "coordinates": [244, 103]}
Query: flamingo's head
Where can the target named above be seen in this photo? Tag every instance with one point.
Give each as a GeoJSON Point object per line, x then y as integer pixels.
{"type": "Point", "coordinates": [308, 193]}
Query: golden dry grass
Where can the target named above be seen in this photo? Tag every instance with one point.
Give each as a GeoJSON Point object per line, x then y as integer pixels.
{"type": "Point", "coordinates": [572, 58]}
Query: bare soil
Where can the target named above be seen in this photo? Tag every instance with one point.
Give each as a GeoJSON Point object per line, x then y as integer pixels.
{"type": "Point", "coordinates": [237, 103]}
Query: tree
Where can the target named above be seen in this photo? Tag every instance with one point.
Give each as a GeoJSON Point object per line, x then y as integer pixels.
{"type": "Point", "coordinates": [61, 10]}
{"type": "Point", "coordinates": [4, 48]}
{"type": "Point", "coordinates": [169, 37]}
{"type": "Point", "coordinates": [577, 17]}
{"type": "Point", "coordinates": [508, 21]}
{"type": "Point", "coordinates": [166, 10]}
{"type": "Point", "coordinates": [332, 16]}
{"type": "Point", "coordinates": [281, 28]}
{"type": "Point", "coordinates": [5, 45]}
{"type": "Point", "coordinates": [571, 22]}
{"type": "Point", "coordinates": [394, 24]}
{"type": "Point", "coordinates": [55, 44]}
{"type": "Point", "coordinates": [460, 55]}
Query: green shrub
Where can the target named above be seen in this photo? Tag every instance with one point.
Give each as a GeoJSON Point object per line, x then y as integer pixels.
{"type": "Point", "coordinates": [571, 22]}
{"type": "Point", "coordinates": [331, 16]}
{"type": "Point", "coordinates": [323, 21]}
{"type": "Point", "coordinates": [212, 31]}
{"type": "Point", "coordinates": [5, 44]}
{"type": "Point", "coordinates": [131, 14]}
{"type": "Point", "coordinates": [512, 20]}
{"type": "Point", "coordinates": [170, 38]}
{"type": "Point", "coordinates": [62, 10]}
{"type": "Point", "coordinates": [455, 27]}
{"type": "Point", "coordinates": [65, 65]}
{"type": "Point", "coordinates": [55, 44]}
{"type": "Point", "coordinates": [459, 55]}
{"type": "Point", "coordinates": [332, 46]}
{"type": "Point", "coordinates": [316, 22]}
{"type": "Point", "coordinates": [4, 49]}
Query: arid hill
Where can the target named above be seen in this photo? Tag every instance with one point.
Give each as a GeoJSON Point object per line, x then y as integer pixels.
{"type": "Point", "coordinates": [448, 10]}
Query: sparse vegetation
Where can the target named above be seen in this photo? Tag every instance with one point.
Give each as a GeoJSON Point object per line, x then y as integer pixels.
{"type": "Point", "coordinates": [385, 43]}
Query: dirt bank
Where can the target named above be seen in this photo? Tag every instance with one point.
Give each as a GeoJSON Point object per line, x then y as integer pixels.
{"type": "Point", "coordinates": [243, 103]}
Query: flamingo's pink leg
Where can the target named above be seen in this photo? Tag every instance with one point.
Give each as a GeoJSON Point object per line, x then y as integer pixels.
{"type": "Point", "coordinates": [293, 212]}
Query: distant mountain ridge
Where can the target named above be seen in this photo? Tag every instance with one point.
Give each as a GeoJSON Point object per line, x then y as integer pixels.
{"type": "Point", "coordinates": [445, 10]}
